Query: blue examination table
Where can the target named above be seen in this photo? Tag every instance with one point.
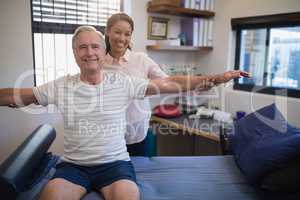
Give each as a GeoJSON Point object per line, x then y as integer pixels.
{"type": "Point", "coordinates": [159, 178]}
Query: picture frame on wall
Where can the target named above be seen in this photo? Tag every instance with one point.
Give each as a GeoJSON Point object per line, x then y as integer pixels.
{"type": "Point", "coordinates": [157, 28]}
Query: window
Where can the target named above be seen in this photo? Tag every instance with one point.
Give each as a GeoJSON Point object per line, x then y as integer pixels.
{"type": "Point", "coordinates": [53, 24]}
{"type": "Point", "coordinates": [269, 48]}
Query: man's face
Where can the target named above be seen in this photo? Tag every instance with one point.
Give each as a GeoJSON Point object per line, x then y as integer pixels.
{"type": "Point", "coordinates": [88, 52]}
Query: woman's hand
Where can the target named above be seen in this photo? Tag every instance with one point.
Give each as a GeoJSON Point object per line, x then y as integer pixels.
{"type": "Point", "coordinates": [227, 76]}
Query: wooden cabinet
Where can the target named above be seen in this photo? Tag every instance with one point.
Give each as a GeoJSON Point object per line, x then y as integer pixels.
{"type": "Point", "coordinates": [185, 144]}
{"type": "Point", "coordinates": [183, 137]}
{"type": "Point", "coordinates": [182, 12]}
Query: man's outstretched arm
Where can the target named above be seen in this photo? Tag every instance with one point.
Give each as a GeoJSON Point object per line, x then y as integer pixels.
{"type": "Point", "coordinates": [15, 97]}
{"type": "Point", "coordinates": [177, 84]}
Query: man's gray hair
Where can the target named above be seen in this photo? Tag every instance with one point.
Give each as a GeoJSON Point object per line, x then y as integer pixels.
{"type": "Point", "coordinates": [88, 29]}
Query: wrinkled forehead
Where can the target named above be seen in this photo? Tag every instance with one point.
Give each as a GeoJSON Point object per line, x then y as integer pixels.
{"type": "Point", "coordinates": [90, 37]}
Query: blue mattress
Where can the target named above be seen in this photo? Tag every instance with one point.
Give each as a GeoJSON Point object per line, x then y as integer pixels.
{"type": "Point", "coordinates": [159, 178]}
{"type": "Point", "coordinates": [193, 178]}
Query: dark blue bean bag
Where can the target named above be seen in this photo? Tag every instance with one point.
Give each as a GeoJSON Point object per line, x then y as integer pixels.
{"type": "Point", "coordinates": [264, 144]}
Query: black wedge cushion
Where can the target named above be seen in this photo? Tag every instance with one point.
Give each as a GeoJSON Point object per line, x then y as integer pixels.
{"type": "Point", "coordinates": [17, 169]}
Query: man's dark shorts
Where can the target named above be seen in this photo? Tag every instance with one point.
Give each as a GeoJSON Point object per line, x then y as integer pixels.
{"type": "Point", "coordinates": [95, 177]}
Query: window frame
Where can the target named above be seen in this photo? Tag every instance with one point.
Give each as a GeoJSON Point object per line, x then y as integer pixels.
{"type": "Point", "coordinates": [267, 22]}
{"type": "Point", "coordinates": [59, 28]}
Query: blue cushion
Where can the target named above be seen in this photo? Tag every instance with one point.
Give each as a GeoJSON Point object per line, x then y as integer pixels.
{"type": "Point", "coordinates": [263, 142]}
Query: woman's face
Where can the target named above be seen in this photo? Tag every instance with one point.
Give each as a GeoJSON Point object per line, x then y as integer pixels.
{"type": "Point", "coordinates": [119, 37]}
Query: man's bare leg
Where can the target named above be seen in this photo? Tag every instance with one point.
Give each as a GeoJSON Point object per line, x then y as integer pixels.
{"type": "Point", "coordinates": [61, 189]}
{"type": "Point", "coordinates": [121, 190]}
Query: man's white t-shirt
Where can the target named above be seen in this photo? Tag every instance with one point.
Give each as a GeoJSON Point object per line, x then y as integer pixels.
{"type": "Point", "coordinates": [94, 115]}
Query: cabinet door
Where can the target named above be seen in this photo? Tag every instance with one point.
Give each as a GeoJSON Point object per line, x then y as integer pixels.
{"type": "Point", "coordinates": [185, 144]}
{"type": "Point", "coordinates": [175, 145]}
{"type": "Point", "coordinates": [206, 147]}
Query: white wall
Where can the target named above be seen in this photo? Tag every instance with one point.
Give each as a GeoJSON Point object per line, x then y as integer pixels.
{"type": "Point", "coordinates": [16, 59]}
{"type": "Point", "coordinates": [222, 56]}
{"type": "Point", "coordinates": [16, 45]}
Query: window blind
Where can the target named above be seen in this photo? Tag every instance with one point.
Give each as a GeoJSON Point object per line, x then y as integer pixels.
{"type": "Point", "coordinates": [93, 12]}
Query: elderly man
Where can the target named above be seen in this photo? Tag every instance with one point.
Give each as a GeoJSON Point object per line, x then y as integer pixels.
{"type": "Point", "coordinates": [93, 105]}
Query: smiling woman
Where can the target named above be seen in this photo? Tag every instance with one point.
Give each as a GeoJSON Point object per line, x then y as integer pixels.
{"type": "Point", "coordinates": [118, 34]}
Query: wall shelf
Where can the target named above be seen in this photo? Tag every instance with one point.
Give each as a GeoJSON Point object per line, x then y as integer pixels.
{"type": "Point", "coordinates": [179, 11]}
{"type": "Point", "coordinates": [176, 48]}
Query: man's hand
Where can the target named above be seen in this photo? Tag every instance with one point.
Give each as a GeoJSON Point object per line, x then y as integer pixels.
{"type": "Point", "coordinates": [16, 97]}
{"type": "Point", "coordinates": [227, 76]}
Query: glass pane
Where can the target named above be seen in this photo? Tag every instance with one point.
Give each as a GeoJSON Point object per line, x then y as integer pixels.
{"type": "Point", "coordinates": [61, 57]}
{"type": "Point", "coordinates": [38, 53]}
{"type": "Point", "coordinates": [48, 56]}
{"type": "Point", "coordinates": [284, 58]}
{"type": "Point", "coordinates": [53, 57]}
{"type": "Point", "coordinates": [253, 55]}
{"type": "Point", "coordinates": [72, 67]}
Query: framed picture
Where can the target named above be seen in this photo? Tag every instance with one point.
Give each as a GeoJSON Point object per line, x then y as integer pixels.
{"type": "Point", "coordinates": [157, 28]}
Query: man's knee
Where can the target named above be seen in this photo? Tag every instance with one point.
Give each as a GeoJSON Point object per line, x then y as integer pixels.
{"type": "Point", "coordinates": [130, 193]}
{"type": "Point", "coordinates": [121, 190]}
{"type": "Point", "coordinates": [59, 189]}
